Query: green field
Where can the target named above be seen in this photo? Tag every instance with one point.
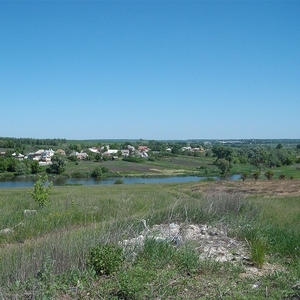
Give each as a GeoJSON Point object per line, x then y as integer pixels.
{"type": "Point", "coordinates": [45, 255]}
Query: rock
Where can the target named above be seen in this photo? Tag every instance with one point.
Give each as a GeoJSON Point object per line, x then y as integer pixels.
{"type": "Point", "coordinates": [28, 212]}
{"type": "Point", "coordinates": [6, 231]}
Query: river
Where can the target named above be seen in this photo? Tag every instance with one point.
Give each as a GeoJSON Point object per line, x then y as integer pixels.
{"type": "Point", "coordinates": [25, 182]}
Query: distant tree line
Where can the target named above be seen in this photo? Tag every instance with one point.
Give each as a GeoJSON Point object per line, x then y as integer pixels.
{"type": "Point", "coordinates": [13, 143]}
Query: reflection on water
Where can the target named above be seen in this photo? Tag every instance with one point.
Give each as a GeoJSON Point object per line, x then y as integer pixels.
{"type": "Point", "coordinates": [23, 182]}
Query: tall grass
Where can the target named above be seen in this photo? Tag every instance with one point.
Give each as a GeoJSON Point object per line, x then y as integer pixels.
{"type": "Point", "coordinates": [77, 218]}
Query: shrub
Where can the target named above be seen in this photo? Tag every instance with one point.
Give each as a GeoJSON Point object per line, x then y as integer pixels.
{"type": "Point", "coordinates": [256, 174]}
{"type": "Point", "coordinates": [119, 181]}
{"type": "Point", "coordinates": [269, 174]}
{"type": "Point", "coordinates": [282, 176]}
{"type": "Point", "coordinates": [106, 259]}
{"type": "Point", "coordinates": [244, 176]}
{"type": "Point", "coordinates": [41, 192]}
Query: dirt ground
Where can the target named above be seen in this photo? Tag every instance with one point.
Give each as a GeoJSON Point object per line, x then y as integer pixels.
{"type": "Point", "coordinates": [261, 187]}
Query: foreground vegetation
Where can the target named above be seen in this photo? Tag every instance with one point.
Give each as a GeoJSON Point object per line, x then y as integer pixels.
{"type": "Point", "coordinates": [56, 251]}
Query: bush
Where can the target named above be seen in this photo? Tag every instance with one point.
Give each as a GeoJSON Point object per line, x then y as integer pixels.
{"type": "Point", "coordinates": [244, 176]}
{"type": "Point", "coordinates": [133, 159]}
{"type": "Point", "coordinates": [269, 174]}
{"type": "Point", "coordinates": [106, 259]}
{"type": "Point", "coordinates": [41, 192]}
{"type": "Point", "coordinates": [256, 174]}
{"type": "Point", "coordinates": [119, 181]}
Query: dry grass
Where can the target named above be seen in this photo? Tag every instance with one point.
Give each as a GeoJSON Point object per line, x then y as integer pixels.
{"type": "Point", "coordinates": [276, 188]}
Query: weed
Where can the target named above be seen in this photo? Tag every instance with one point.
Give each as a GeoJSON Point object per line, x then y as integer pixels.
{"type": "Point", "coordinates": [187, 259]}
{"type": "Point", "coordinates": [258, 249]}
{"type": "Point", "coordinates": [106, 259]}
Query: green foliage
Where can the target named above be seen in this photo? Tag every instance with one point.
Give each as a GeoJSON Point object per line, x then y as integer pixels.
{"type": "Point", "coordinates": [41, 192]}
{"type": "Point", "coordinates": [21, 169]}
{"type": "Point", "coordinates": [157, 252]}
{"type": "Point", "coordinates": [98, 157]}
{"type": "Point", "coordinates": [269, 174]}
{"type": "Point", "coordinates": [98, 171]}
{"type": "Point", "coordinates": [35, 167]}
{"type": "Point", "coordinates": [106, 259]}
{"type": "Point", "coordinates": [258, 249]}
{"type": "Point", "coordinates": [256, 174]}
{"type": "Point", "coordinates": [244, 176]}
{"type": "Point", "coordinates": [188, 258]}
{"type": "Point", "coordinates": [131, 282]}
{"type": "Point", "coordinates": [119, 181]}
{"type": "Point", "coordinates": [73, 158]}
{"type": "Point", "coordinates": [58, 163]}
{"type": "Point", "coordinates": [133, 159]}
{"type": "Point", "coordinates": [223, 165]}
{"type": "Point", "coordinates": [223, 152]}
{"type": "Point", "coordinates": [282, 176]}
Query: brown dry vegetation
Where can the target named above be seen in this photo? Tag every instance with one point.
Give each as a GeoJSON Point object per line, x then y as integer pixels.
{"type": "Point", "coordinates": [262, 187]}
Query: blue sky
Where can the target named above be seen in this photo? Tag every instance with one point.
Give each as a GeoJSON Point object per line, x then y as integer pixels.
{"type": "Point", "coordinates": [150, 69]}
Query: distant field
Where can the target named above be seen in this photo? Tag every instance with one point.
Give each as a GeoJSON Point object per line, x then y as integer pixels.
{"type": "Point", "coordinates": [166, 166]}
{"type": "Point", "coordinates": [131, 167]}
{"type": "Point", "coordinates": [188, 165]}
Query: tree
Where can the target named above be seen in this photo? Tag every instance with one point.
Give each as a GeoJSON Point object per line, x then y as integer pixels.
{"type": "Point", "coordinates": [222, 152]}
{"type": "Point", "coordinates": [176, 149]}
{"type": "Point", "coordinates": [73, 158]}
{"type": "Point", "coordinates": [35, 167]}
{"type": "Point", "coordinates": [257, 157]}
{"type": "Point", "coordinates": [98, 157]}
{"type": "Point", "coordinates": [58, 163]}
{"type": "Point", "coordinates": [21, 169]}
{"type": "Point", "coordinates": [41, 192]}
{"type": "Point", "coordinates": [97, 172]}
{"type": "Point", "coordinates": [223, 165]}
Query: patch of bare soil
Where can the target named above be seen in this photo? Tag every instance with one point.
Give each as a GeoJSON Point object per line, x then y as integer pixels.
{"type": "Point", "coordinates": [261, 187]}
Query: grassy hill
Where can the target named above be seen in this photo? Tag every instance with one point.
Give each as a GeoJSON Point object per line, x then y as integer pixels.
{"type": "Point", "coordinates": [45, 254]}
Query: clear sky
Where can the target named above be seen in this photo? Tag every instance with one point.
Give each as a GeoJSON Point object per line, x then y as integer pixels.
{"type": "Point", "coordinates": [150, 69]}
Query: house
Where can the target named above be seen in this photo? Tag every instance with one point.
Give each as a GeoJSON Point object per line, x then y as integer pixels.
{"type": "Point", "coordinates": [110, 152]}
{"type": "Point", "coordinates": [94, 150]}
{"type": "Point", "coordinates": [18, 156]}
{"type": "Point", "coordinates": [60, 151]}
{"type": "Point", "coordinates": [130, 148]}
{"type": "Point", "coordinates": [46, 155]}
{"type": "Point", "coordinates": [125, 153]}
{"type": "Point", "coordinates": [143, 148]}
{"type": "Point", "coordinates": [79, 155]}
{"type": "Point", "coordinates": [142, 154]}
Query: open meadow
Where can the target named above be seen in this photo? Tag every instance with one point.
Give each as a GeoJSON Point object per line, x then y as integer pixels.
{"type": "Point", "coordinates": [46, 253]}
